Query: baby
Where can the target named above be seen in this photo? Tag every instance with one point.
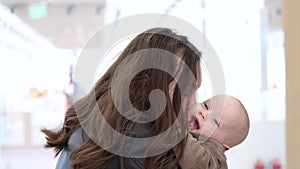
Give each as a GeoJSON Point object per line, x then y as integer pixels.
{"type": "Point", "coordinates": [222, 118]}
{"type": "Point", "coordinates": [219, 123]}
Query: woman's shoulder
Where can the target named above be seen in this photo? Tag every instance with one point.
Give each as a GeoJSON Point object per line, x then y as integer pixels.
{"type": "Point", "coordinates": [76, 139]}
{"type": "Point", "coordinates": [74, 142]}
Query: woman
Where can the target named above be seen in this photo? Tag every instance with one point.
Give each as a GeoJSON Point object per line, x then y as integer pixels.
{"type": "Point", "coordinates": [140, 67]}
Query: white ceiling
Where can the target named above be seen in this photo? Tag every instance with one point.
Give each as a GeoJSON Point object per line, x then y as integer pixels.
{"type": "Point", "coordinates": [69, 23]}
{"type": "Point", "coordinates": [26, 2]}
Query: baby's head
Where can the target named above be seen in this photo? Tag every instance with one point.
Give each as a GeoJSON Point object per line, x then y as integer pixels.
{"type": "Point", "coordinates": [222, 118]}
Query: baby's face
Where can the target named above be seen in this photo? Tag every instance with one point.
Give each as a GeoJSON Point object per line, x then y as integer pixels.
{"type": "Point", "coordinates": [211, 116]}
{"type": "Point", "coordinates": [207, 116]}
{"type": "Point", "coordinates": [218, 118]}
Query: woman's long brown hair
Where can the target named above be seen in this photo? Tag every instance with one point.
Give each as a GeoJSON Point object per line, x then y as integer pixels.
{"type": "Point", "coordinates": [90, 155]}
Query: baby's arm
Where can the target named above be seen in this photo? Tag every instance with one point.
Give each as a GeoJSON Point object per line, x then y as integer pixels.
{"type": "Point", "coordinates": [202, 153]}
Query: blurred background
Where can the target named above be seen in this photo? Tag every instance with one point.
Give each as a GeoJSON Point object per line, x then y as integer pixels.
{"type": "Point", "coordinates": [40, 41]}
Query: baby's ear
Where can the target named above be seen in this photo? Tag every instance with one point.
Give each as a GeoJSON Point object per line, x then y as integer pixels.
{"type": "Point", "coordinates": [226, 147]}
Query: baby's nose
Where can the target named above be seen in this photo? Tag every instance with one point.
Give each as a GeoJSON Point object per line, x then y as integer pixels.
{"type": "Point", "coordinates": [204, 113]}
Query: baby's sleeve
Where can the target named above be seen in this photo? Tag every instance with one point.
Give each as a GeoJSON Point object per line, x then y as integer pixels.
{"type": "Point", "coordinates": [202, 154]}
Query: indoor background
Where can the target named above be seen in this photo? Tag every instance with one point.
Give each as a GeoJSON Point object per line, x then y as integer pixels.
{"type": "Point", "coordinates": [40, 41]}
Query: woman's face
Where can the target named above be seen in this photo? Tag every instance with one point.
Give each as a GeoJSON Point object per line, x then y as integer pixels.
{"type": "Point", "coordinates": [189, 102]}
{"type": "Point", "coordinates": [188, 96]}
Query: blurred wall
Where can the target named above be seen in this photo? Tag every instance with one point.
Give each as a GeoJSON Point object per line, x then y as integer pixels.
{"type": "Point", "coordinates": [292, 40]}
{"type": "Point", "coordinates": [264, 142]}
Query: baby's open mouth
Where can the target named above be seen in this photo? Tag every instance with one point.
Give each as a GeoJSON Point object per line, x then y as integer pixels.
{"type": "Point", "coordinates": [194, 124]}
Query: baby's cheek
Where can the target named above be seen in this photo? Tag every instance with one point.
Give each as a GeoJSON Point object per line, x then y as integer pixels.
{"type": "Point", "coordinates": [208, 128]}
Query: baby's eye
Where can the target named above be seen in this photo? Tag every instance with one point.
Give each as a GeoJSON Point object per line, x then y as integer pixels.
{"type": "Point", "coordinates": [216, 122]}
{"type": "Point", "coordinates": [205, 105]}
